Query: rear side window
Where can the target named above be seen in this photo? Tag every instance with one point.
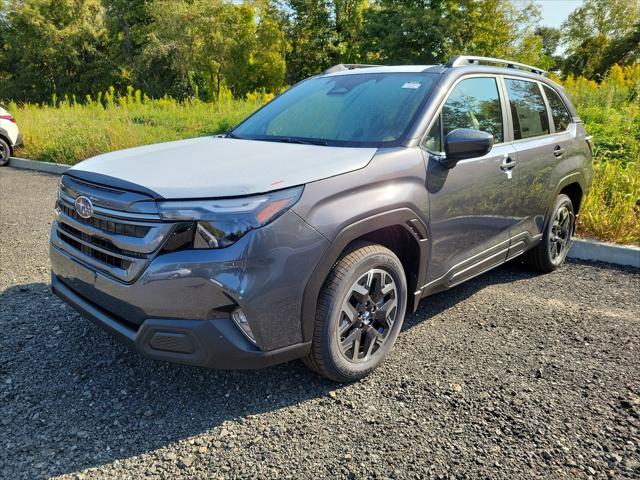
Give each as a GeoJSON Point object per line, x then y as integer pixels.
{"type": "Point", "coordinates": [527, 109]}
{"type": "Point", "coordinates": [473, 103]}
{"type": "Point", "coordinates": [559, 112]}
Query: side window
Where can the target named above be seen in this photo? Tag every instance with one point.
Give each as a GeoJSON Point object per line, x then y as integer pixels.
{"type": "Point", "coordinates": [559, 112]}
{"type": "Point", "coordinates": [474, 103]}
{"type": "Point", "coordinates": [527, 109]}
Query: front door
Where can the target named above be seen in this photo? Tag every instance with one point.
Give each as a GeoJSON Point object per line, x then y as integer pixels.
{"type": "Point", "coordinates": [470, 205]}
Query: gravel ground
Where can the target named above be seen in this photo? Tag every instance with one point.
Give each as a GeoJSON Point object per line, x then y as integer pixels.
{"type": "Point", "coordinates": [511, 375]}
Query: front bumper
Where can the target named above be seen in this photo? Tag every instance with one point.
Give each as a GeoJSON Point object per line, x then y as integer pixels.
{"type": "Point", "coordinates": [205, 343]}
{"type": "Point", "coordinates": [179, 307]}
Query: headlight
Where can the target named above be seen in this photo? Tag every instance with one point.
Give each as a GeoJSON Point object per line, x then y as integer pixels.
{"type": "Point", "coordinates": [219, 223]}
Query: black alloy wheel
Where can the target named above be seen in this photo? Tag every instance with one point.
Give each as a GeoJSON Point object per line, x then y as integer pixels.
{"type": "Point", "coordinates": [359, 314]}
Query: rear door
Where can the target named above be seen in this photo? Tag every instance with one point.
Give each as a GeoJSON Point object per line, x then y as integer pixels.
{"type": "Point", "coordinates": [470, 205]}
{"type": "Point", "coordinates": [541, 141]}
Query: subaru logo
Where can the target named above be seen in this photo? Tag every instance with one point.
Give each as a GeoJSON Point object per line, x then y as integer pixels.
{"type": "Point", "coordinates": [84, 207]}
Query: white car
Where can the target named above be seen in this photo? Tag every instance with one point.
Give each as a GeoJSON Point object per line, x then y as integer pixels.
{"type": "Point", "coordinates": [10, 137]}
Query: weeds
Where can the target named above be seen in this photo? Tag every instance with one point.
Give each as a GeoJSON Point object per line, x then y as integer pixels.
{"type": "Point", "coordinates": [67, 131]}
{"type": "Point", "coordinates": [611, 113]}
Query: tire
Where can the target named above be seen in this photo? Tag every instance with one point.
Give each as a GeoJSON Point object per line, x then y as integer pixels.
{"type": "Point", "coordinates": [552, 251]}
{"type": "Point", "coordinates": [365, 273]}
{"type": "Point", "coordinates": [5, 152]}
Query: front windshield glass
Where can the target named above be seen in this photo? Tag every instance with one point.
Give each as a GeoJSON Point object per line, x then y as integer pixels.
{"type": "Point", "coordinates": [364, 109]}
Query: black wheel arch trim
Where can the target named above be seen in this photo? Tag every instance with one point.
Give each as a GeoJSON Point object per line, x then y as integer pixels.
{"type": "Point", "coordinates": [402, 217]}
{"type": "Point", "coordinates": [575, 177]}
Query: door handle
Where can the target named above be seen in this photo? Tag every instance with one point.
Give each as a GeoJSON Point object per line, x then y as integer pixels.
{"type": "Point", "coordinates": [507, 166]}
{"type": "Point", "coordinates": [508, 163]}
{"type": "Point", "coordinates": [558, 151]}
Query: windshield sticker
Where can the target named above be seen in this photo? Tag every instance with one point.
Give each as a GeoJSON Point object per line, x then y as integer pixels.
{"type": "Point", "coordinates": [412, 85]}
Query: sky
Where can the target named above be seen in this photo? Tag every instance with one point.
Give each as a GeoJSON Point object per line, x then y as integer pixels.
{"type": "Point", "coordinates": [554, 12]}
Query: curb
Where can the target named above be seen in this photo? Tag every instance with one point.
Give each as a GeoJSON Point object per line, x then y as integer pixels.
{"type": "Point", "coordinates": [594, 251]}
{"type": "Point", "coordinates": [589, 250]}
{"type": "Point", "coordinates": [47, 167]}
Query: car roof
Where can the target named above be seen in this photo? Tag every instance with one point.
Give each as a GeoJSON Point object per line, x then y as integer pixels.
{"type": "Point", "coordinates": [367, 69]}
{"type": "Point", "coordinates": [379, 69]}
{"type": "Point", "coordinates": [459, 64]}
{"type": "Point", "coordinates": [447, 71]}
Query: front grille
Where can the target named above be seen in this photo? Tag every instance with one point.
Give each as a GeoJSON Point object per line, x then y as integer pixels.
{"type": "Point", "coordinates": [119, 228]}
{"type": "Point", "coordinates": [97, 254]}
{"type": "Point", "coordinates": [118, 243]}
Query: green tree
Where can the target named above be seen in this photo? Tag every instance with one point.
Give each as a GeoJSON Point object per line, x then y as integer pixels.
{"type": "Point", "coordinates": [621, 51]}
{"type": "Point", "coordinates": [349, 18]}
{"type": "Point", "coordinates": [311, 36]}
{"type": "Point", "coordinates": [404, 31]}
{"type": "Point", "coordinates": [52, 47]}
{"type": "Point", "coordinates": [596, 30]}
{"type": "Point", "coordinates": [551, 38]}
{"type": "Point", "coordinates": [609, 18]}
{"type": "Point", "coordinates": [268, 61]}
{"type": "Point", "coordinates": [128, 23]}
{"type": "Point", "coordinates": [206, 45]}
{"type": "Point", "coordinates": [431, 31]}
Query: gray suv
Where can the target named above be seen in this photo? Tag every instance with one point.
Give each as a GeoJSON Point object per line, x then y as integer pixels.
{"type": "Point", "coordinates": [310, 229]}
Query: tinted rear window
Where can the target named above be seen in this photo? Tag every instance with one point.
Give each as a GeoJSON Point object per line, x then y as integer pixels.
{"type": "Point", "coordinates": [559, 112]}
{"type": "Point", "coordinates": [527, 109]}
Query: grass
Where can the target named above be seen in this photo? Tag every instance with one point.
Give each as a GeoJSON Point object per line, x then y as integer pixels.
{"type": "Point", "coordinates": [612, 208]}
{"type": "Point", "coordinates": [69, 131]}
{"type": "Point", "coordinates": [611, 113]}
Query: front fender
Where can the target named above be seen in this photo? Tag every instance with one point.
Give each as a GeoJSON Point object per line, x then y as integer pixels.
{"type": "Point", "coordinates": [390, 191]}
{"type": "Point", "coordinates": [403, 217]}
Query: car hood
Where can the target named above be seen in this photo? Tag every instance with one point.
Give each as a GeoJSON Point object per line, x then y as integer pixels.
{"type": "Point", "coordinates": [221, 167]}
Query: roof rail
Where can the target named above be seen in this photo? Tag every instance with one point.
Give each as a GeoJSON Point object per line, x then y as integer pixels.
{"type": "Point", "coordinates": [341, 67]}
{"type": "Point", "coordinates": [460, 60]}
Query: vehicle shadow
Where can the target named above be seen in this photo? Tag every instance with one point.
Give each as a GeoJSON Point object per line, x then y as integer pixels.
{"type": "Point", "coordinates": [438, 303]}
{"type": "Point", "coordinates": [71, 397]}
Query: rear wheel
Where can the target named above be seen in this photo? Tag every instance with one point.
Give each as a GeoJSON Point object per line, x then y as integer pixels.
{"type": "Point", "coordinates": [360, 313]}
{"type": "Point", "coordinates": [552, 251]}
{"type": "Point", "coordinates": [5, 152]}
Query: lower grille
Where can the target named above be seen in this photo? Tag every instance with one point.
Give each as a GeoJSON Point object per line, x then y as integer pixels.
{"type": "Point", "coordinates": [98, 241]}
{"type": "Point", "coordinates": [98, 255]}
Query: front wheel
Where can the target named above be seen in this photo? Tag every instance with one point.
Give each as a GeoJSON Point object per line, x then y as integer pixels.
{"type": "Point", "coordinates": [360, 313]}
{"type": "Point", "coordinates": [552, 251]}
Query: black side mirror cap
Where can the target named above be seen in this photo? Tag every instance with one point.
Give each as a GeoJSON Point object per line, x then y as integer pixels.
{"type": "Point", "coordinates": [463, 143]}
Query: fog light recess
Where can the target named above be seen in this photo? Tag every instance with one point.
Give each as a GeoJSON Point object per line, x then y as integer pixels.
{"type": "Point", "coordinates": [240, 320]}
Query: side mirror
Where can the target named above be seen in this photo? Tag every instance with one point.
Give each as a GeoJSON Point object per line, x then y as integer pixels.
{"type": "Point", "coordinates": [464, 143]}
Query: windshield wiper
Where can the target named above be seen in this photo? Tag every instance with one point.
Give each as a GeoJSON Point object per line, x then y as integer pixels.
{"type": "Point", "coordinates": [300, 141]}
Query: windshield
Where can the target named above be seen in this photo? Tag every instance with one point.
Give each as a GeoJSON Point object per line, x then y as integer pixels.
{"type": "Point", "coordinates": [364, 109]}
